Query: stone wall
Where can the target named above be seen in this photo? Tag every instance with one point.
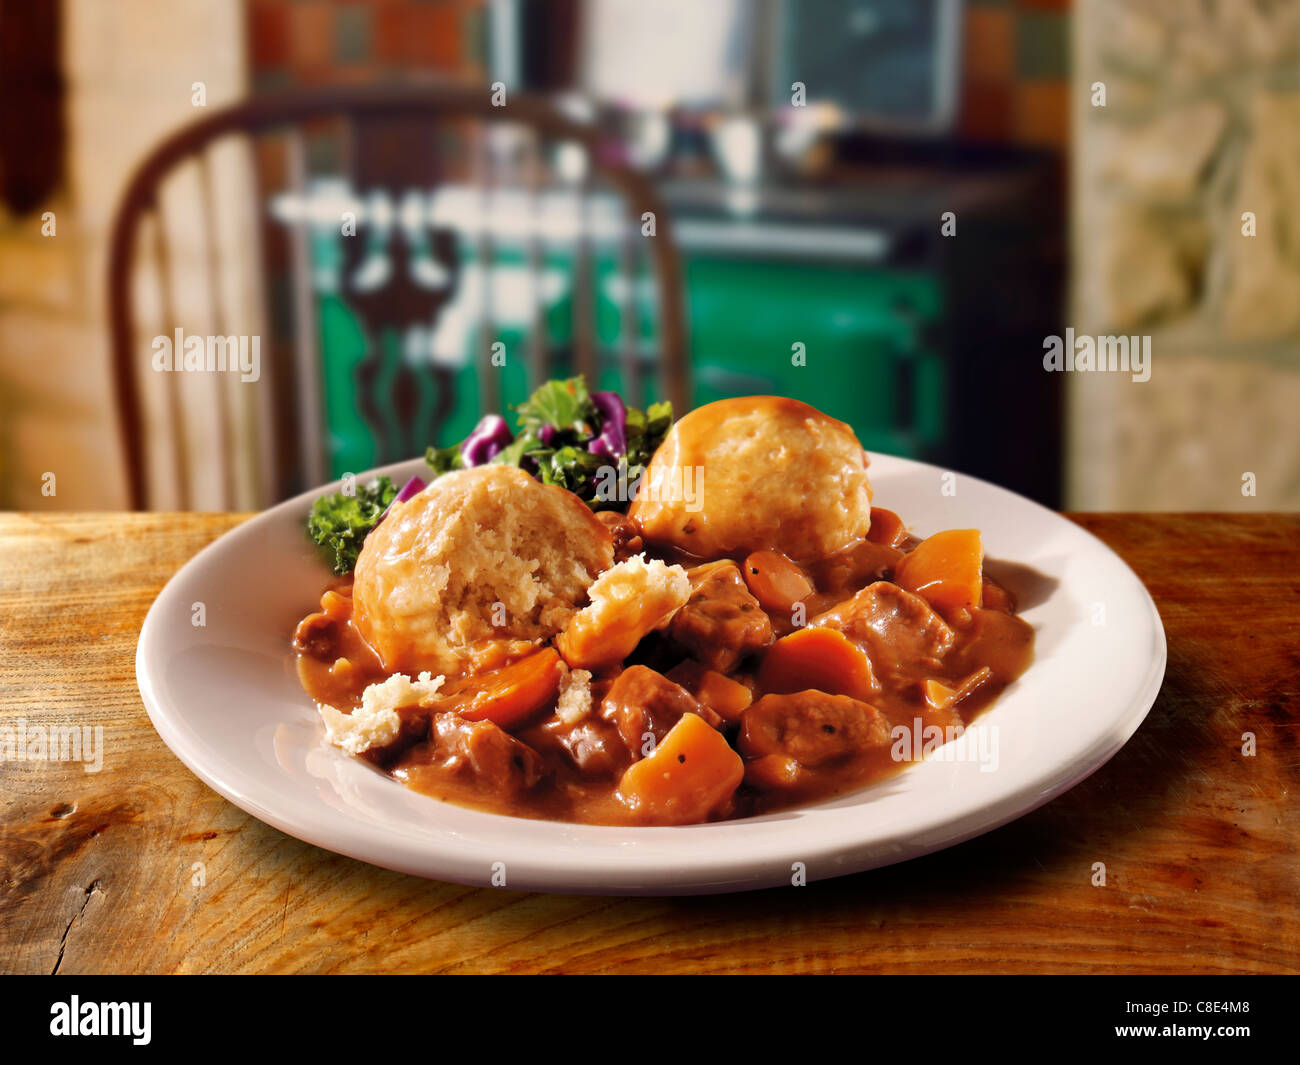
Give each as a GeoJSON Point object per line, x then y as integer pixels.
{"type": "Point", "coordinates": [1196, 148]}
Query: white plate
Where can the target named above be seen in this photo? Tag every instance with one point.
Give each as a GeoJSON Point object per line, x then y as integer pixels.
{"type": "Point", "coordinates": [225, 698]}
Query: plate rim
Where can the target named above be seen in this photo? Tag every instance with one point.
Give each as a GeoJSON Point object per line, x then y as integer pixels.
{"type": "Point", "coordinates": [725, 874]}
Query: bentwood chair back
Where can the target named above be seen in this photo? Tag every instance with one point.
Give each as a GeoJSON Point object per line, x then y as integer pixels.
{"type": "Point", "coordinates": [406, 206]}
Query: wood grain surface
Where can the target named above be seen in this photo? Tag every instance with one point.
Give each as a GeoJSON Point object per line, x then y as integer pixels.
{"type": "Point", "coordinates": [98, 870]}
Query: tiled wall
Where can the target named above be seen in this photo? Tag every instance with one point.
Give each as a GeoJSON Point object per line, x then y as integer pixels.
{"type": "Point", "coordinates": [1015, 54]}
{"type": "Point", "coordinates": [317, 42]}
{"type": "Point", "coordinates": [1015, 78]}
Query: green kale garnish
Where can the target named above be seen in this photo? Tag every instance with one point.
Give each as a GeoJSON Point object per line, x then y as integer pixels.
{"type": "Point", "coordinates": [646, 431]}
{"type": "Point", "coordinates": [558, 425]}
{"type": "Point", "coordinates": [565, 406]}
{"type": "Point", "coordinates": [444, 459]}
{"type": "Point", "coordinates": [513, 454]}
{"type": "Point", "coordinates": [339, 522]}
{"type": "Point", "coordinates": [570, 467]}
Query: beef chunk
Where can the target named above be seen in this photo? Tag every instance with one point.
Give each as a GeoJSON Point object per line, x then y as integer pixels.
{"type": "Point", "coordinates": [721, 623]}
{"type": "Point", "coordinates": [811, 727]}
{"type": "Point", "coordinates": [625, 533]}
{"type": "Point", "coordinates": [318, 635]}
{"type": "Point", "coordinates": [1002, 642]}
{"type": "Point", "coordinates": [899, 631]}
{"type": "Point", "coordinates": [643, 701]}
{"type": "Point", "coordinates": [496, 758]}
{"type": "Point", "coordinates": [855, 566]}
{"type": "Point", "coordinates": [593, 745]}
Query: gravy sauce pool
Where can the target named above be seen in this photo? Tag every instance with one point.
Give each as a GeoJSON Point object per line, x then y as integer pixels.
{"type": "Point", "coordinates": [990, 648]}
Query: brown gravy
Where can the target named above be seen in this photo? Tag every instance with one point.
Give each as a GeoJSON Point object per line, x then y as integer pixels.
{"type": "Point", "coordinates": [989, 647]}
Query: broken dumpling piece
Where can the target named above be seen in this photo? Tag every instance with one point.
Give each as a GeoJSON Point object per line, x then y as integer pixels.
{"type": "Point", "coordinates": [628, 602]}
{"type": "Point", "coordinates": [377, 722]}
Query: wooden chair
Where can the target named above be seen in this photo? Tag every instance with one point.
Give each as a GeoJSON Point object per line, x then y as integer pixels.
{"type": "Point", "coordinates": [289, 129]}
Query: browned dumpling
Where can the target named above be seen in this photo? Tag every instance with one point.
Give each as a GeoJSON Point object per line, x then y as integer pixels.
{"type": "Point", "coordinates": [773, 473]}
{"type": "Point", "coordinates": [476, 569]}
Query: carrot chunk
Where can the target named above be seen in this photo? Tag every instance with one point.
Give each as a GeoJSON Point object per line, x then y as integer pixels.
{"type": "Point", "coordinates": [509, 696]}
{"type": "Point", "coordinates": [725, 697]}
{"type": "Point", "coordinates": [938, 696]}
{"type": "Point", "coordinates": [819, 658]}
{"type": "Point", "coordinates": [886, 528]}
{"type": "Point", "coordinates": [946, 570]}
{"type": "Point", "coordinates": [691, 773]}
{"type": "Point", "coordinates": [773, 771]}
{"type": "Point", "coordinates": [995, 597]}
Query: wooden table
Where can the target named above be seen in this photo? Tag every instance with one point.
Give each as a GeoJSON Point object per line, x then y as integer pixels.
{"type": "Point", "coordinates": [98, 871]}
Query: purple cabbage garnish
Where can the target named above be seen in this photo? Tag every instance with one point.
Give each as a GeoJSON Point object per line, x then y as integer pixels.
{"type": "Point", "coordinates": [487, 440]}
{"type": "Point", "coordinates": [612, 441]}
{"type": "Point", "coordinates": [412, 487]}
{"type": "Point", "coordinates": [546, 434]}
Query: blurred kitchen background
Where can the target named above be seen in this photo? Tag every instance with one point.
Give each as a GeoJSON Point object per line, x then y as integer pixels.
{"type": "Point", "coordinates": [881, 207]}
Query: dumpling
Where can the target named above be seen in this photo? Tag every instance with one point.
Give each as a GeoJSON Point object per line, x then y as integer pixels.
{"type": "Point", "coordinates": [740, 475]}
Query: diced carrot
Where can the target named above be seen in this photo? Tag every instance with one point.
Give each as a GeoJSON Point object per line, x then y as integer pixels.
{"type": "Point", "coordinates": [776, 582]}
{"type": "Point", "coordinates": [886, 528]}
{"type": "Point", "coordinates": [946, 570]}
{"type": "Point", "coordinates": [724, 696]}
{"type": "Point", "coordinates": [939, 696]}
{"type": "Point", "coordinates": [344, 671]}
{"type": "Point", "coordinates": [943, 717]}
{"type": "Point", "coordinates": [819, 658]}
{"type": "Point", "coordinates": [690, 774]}
{"type": "Point", "coordinates": [941, 699]}
{"type": "Point", "coordinates": [509, 696]}
{"type": "Point", "coordinates": [772, 771]}
{"type": "Point", "coordinates": [995, 597]}
{"type": "Point", "coordinates": [334, 605]}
